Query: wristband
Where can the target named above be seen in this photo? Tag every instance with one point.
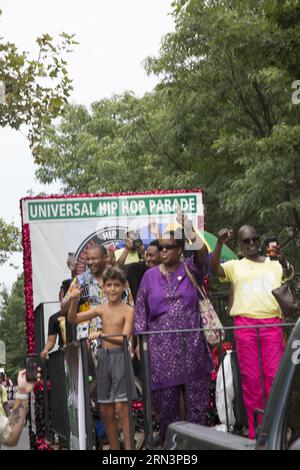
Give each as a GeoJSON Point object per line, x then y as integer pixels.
{"type": "Point", "coordinates": [22, 396]}
{"type": "Point", "coordinates": [289, 267]}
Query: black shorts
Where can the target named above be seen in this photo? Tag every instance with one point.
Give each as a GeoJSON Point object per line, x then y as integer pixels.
{"type": "Point", "coordinates": [111, 377]}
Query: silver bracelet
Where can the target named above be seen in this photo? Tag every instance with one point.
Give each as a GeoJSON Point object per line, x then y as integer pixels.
{"type": "Point", "coordinates": [292, 273]}
{"type": "Point", "coordinates": [22, 396]}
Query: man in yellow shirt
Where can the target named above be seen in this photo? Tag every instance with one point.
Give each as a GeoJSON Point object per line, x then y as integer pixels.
{"type": "Point", "coordinates": [133, 252]}
{"type": "Point", "coordinates": [253, 278]}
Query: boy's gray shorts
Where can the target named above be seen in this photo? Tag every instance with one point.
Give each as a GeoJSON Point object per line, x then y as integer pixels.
{"type": "Point", "coordinates": [111, 376]}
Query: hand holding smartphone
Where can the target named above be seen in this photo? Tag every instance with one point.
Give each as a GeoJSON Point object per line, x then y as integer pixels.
{"type": "Point", "coordinates": [272, 248]}
{"type": "Point", "coordinates": [32, 364]}
{"type": "Point", "coordinates": [71, 261]}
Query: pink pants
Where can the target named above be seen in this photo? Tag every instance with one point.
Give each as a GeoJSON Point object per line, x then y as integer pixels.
{"type": "Point", "coordinates": [272, 346]}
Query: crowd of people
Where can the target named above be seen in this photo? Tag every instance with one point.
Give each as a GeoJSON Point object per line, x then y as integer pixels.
{"type": "Point", "coordinates": [159, 296]}
{"type": "Point", "coordinates": [8, 386]}
{"type": "Point", "coordinates": [131, 291]}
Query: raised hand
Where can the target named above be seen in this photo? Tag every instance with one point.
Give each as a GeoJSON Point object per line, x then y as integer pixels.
{"type": "Point", "coordinates": [71, 262]}
{"type": "Point", "coordinates": [182, 219]}
{"type": "Point", "coordinates": [224, 235]}
{"type": "Point", "coordinates": [154, 229]}
{"type": "Point", "coordinates": [75, 292]}
{"type": "Point", "coordinates": [187, 224]}
{"type": "Point", "coordinates": [23, 385]}
{"type": "Point", "coordinates": [129, 243]}
{"type": "Point", "coordinates": [141, 250]}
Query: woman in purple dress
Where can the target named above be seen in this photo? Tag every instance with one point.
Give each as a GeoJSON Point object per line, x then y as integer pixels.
{"type": "Point", "coordinates": [167, 300]}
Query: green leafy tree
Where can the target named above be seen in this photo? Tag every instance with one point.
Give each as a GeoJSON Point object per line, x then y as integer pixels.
{"type": "Point", "coordinates": [230, 65]}
{"type": "Point", "coordinates": [12, 327]}
{"type": "Point", "coordinates": [221, 118]}
{"type": "Point", "coordinates": [234, 92]}
{"type": "Point", "coordinates": [9, 240]}
{"type": "Point", "coordinates": [34, 91]}
{"type": "Point", "coordinates": [124, 143]}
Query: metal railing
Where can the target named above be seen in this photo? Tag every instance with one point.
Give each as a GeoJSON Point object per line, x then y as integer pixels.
{"type": "Point", "coordinates": [58, 414]}
{"type": "Point", "coordinates": [148, 414]}
{"type": "Point", "coordinates": [144, 352]}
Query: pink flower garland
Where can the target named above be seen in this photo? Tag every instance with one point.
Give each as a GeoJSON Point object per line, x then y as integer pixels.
{"type": "Point", "coordinates": [41, 444]}
{"type": "Point", "coordinates": [128, 193]}
{"type": "Point", "coordinates": [28, 290]}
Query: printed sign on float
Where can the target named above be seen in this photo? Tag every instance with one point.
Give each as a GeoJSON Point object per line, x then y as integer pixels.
{"type": "Point", "coordinates": [59, 225]}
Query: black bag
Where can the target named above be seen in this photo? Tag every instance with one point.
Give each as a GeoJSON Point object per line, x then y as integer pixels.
{"type": "Point", "coordinates": [238, 401]}
{"type": "Point", "coordinates": [286, 300]}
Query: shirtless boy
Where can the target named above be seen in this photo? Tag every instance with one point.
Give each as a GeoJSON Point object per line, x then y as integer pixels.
{"type": "Point", "coordinates": [117, 320]}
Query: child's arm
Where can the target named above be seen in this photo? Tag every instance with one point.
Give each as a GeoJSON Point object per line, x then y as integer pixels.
{"type": "Point", "coordinates": [128, 329]}
{"type": "Point", "coordinates": [66, 301]}
{"type": "Point", "coordinates": [89, 314]}
{"type": "Point", "coordinates": [128, 325]}
{"type": "Point", "coordinates": [74, 317]}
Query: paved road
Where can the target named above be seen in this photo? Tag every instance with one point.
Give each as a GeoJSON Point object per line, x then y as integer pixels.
{"type": "Point", "coordinates": [23, 442]}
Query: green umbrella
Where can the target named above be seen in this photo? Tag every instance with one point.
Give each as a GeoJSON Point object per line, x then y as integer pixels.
{"type": "Point", "coordinates": [210, 241]}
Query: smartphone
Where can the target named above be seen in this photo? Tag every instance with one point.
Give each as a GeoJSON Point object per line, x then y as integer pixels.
{"type": "Point", "coordinates": [272, 245]}
{"type": "Point", "coordinates": [32, 364]}
{"type": "Point", "coordinates": [71, 261]}
{"type": "Point", "coordinates": [137, 243]}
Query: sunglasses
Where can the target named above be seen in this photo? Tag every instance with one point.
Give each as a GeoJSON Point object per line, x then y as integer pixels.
{"type": "Point", "coordinates": [247, 241]}
{"type": "Point", "coordinates": [167, 246]}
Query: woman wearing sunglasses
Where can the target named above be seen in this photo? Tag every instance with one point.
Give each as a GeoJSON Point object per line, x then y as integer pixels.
{"type": "Point", "coordinates": [253, 278]}
{"type": "Point", "coordinates": [178, 362]}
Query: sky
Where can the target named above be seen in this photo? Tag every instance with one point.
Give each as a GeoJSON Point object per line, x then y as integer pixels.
{"type": "Point", "coordinates": [114, 38]}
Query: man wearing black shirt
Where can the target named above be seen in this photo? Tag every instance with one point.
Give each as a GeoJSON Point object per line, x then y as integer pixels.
{"type": "Point", "coordinates": [56, 325]}
{"type": "Point", "coordinates": [136, 271]}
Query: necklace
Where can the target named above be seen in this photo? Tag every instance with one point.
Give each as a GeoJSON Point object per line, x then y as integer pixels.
{"type": "Point", "coordinates": [166, 273]}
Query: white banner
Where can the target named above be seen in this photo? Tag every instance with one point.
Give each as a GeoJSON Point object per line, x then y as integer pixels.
{"type": "Point", "coordinates": [63, 225]}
